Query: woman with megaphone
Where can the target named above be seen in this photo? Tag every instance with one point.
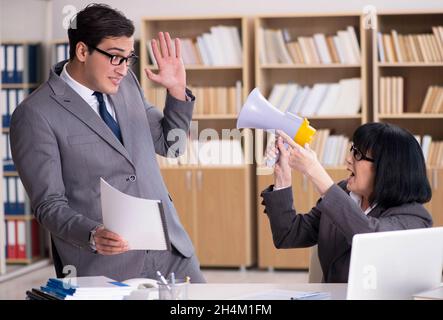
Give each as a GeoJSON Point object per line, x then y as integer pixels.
{"type": "Point", "coordinates": [385, 191]}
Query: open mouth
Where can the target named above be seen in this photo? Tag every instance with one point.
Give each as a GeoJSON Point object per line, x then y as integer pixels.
{"type": "Point", "coordinates": [115, 81]}
{"type": "Point", "coordinates": [352, 172]}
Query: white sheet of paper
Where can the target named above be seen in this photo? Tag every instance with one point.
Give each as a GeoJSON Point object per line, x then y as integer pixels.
{"type": "Point", "coordinates": [135, 219]}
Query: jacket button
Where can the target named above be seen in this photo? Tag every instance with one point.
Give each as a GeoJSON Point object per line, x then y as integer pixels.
{"type": "Point", "coordinates": [132, 178]}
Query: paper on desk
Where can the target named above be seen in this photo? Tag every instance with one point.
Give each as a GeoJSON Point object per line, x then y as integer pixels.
{"type": "Point", "coordinates": [139, 221]}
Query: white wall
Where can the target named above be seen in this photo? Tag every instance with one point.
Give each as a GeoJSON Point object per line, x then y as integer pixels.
{"type": "Point", "coordinates": [22, 20]}
{"type": "Point", "coordinates": [26, 19]}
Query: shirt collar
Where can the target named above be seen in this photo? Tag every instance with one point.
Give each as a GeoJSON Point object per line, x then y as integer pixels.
{"type": "Point", "coordinates": [81, 90]}
{"type": "Point", "coordinates": [357, 200]}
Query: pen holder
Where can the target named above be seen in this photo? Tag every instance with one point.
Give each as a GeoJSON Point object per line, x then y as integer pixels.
{"type": "Point", "coordinates": [173, 291]}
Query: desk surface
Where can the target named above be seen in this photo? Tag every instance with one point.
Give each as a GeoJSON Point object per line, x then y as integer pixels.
{"type": "Point", "coordinates": [221, 291]}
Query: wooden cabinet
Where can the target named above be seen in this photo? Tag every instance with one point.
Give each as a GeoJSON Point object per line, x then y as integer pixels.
{"type": "Point", "coordinates": [268, 255]}
{"type": "Point", "coordinates": [214, 207]}
{"type": "Point", "coordinates": [180, 184]}
{"type": "Point", "coordinates": [435, 176]}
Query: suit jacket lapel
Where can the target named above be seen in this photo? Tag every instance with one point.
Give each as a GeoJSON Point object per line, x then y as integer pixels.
{"type": "Point", "coordinates": [73, 103]}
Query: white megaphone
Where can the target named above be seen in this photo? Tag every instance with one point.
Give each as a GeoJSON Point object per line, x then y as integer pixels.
{"type": "Point", "coordinates": [258, 113]}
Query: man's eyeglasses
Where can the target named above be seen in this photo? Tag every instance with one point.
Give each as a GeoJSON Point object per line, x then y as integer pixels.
{"type": "Point", "coordinates": [358, 155]}
{"type": "Point", "coordinates": [117, 60]}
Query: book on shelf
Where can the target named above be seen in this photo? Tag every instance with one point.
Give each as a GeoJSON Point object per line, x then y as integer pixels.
{"type": "Point", "coordinates": [278, 46]}
{"type": "Point", "coordinates": [433, 101]}
{"type": "Point", "coordinates": [432, 150]}
{"type": "Point", "coordinates": [19, 63]}
{"type": "Point", "coordinates": [423, 47]}
{"type": "Point", "coordinates": [209, 100]}
{"type": "Point", "coordinates": [211, 152]}
{"type": "Point", "coordinates": [61, 52]}
{"type": "Point", "coordinates": [23, 239]}
{"type": "Point", "coordinates": [333, 99]}
{"type": "Point", "coordinates": [220, 46]}
{"type": "Point", "coordinates": [391, 95]}
{"type": "Point", "coordinates": [10, 99]}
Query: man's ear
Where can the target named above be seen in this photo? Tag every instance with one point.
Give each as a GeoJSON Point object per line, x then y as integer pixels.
{"type": "Point", "coordinates": [81, 51]}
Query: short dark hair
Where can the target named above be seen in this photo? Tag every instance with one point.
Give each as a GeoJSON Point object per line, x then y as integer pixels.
{"type": "Point", "coordinates": [95, 23]}
{"type": "Point", "coordinates": [400, 169]}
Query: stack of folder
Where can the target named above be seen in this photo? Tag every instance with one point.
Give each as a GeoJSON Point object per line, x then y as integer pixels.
{"type": "Point", "coordinates": [81, 288]}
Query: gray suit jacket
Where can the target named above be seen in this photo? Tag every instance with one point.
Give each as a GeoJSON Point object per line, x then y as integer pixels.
{"type": "Point", "coordinates": [61, 148]}
{"type": "Point", "coordinates": [332, 223]}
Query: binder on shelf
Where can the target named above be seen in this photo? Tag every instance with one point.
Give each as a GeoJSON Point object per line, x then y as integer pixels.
{"type": "Point", "coordinates": [19, 63]}
{"type": "Point", "coordinates": [3, 63]}
{"type": "Point", "coordinates": [12, 236]}
{"type": "Point", "coordinates": [61, 52]}
{"type": "Point", "coordinates": [21, 239]}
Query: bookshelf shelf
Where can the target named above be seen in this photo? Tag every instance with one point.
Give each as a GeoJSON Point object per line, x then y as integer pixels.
{"type": "Point", "coordinates": [337, 117]}
{"type": "Point", "coordinates": [19, 217]}
{"type": "Point", "coordinates": [409, 65]}
{"type": "Point", "coordinates": [220, 88]}
{"type": "Point", "coordinates": [214, 116]}
{"type": "Point", "coordinates": [23, 261]}
{"type": "Point", "coordinates": [203, 67]}
{"type": "Point", "coordinates": [411, 115]}
{"type": "Point", "coordinates": [10, 174]}
{"type": "Point", "coordinates": [309, 66]}
{"type": "Point", "coordinates": [19, 85]}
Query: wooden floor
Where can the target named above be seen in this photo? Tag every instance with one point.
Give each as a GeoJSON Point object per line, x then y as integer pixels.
{"type": "Point", "coordinates": [15, 288]}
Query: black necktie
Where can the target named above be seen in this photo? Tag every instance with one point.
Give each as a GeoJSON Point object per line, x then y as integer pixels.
{"type": "Point", "coordinates": [106, 116]}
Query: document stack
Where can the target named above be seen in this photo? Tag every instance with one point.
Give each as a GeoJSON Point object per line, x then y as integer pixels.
{"type": "Point", "coordinates": [81, 288]}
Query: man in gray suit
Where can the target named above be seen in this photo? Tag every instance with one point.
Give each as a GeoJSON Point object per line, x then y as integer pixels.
{"type": "Point", "coordinates": [90, 120]}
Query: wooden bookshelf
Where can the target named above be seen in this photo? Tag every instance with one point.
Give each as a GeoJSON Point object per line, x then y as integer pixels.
{"type": "Point", "coordinates": [266, 75]}
{"type": "Point", "coordinates": [2, 229]}
{"type": "Point", "coordinates": [417, 77]}
{"type": "Point", "coordinates": [30, 76]}
{"type": "Point", "coordinates": [220, 220]}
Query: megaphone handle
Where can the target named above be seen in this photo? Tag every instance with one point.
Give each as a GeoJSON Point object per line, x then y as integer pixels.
{"type": "Point", "coordinates": [270, 162]}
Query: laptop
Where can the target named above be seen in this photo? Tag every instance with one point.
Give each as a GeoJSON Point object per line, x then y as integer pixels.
{"type": "Point", "coordinates": [395, 264]}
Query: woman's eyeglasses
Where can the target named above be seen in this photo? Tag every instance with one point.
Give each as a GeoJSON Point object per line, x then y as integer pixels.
{"type": "Point", "coordinates": [358, 155]}
{"type": "Point", "coordinates": [117, 60]}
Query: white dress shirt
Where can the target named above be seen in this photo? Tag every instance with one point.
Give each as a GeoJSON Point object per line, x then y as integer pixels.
{"type": "Point", "coordinates": [86, 93]}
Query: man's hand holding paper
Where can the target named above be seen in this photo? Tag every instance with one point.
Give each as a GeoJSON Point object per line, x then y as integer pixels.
{"type": "Point", "coordinates": [109, 243]}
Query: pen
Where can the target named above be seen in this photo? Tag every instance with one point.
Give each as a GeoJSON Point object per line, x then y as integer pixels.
{"type": "Point", "coordinates": [172, 278]}
{"type": "Point", "coordinates": [163, 280]}
{"type": "Point", "coordinates": [306, 295]}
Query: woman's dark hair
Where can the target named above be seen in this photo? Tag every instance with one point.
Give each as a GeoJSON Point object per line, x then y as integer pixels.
{"type": "Point", "coordinates": [400, 170]}
{"type": "Point", "coordinates": [95, 23]}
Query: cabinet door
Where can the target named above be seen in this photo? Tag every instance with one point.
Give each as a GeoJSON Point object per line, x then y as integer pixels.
{"type": "Point", "coordinates": [435, 206]}
{"type": "Point", "coordinates": [224, 217]}
{"type": "Point", "coordinates": [180, 183]}
{"type": "Point", "coordinates": [268, 255]}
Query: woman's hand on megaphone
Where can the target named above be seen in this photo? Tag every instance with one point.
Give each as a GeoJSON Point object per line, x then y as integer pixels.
{"type": "Point", "coordinates": [305, 160]}
{"type": "Point", "coordinates": [299, 158]}
{"type": "Point", "coordinates": [282, 170]}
